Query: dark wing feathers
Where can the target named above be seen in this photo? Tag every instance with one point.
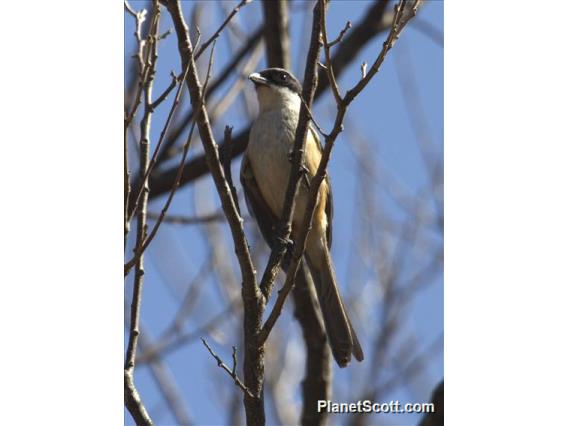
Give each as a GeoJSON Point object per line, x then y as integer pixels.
{"type": "Point", "coordinates": [266, 220]}
{"type": "Point", "coordinates": [256, 204]}
{"type": "Point", "coordinates": [329, 204]}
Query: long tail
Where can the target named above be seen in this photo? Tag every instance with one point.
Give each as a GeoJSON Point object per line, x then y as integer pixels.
{"type": "Point", "coordinates": [342, 338]}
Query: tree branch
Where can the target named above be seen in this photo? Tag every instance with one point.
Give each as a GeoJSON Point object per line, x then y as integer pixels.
{"type": "Point", "coordinates": [277, 41]}
{"type": "Point", "coordinates": [164, 380]}
{"type": "Point", "coordinates": [133, 402]}
{"type": "Point", "coordinates": [217, 33]}
{"type": "Point", "coordinates": [232, 371]}
{"type": "Point", "coordinates": [132, 399]}
{"type": "Point", "coordinates": [317, 377]}
{"type": "Point", "coordinates": [226, 161]}
{"type": "Point", "coordinates": [138, 252]}
{"type": "Point", "coordinates": [152, 106]}
{"type": "Point", "coordinates": [171, 343]}
{"type": "Point", "coordinates": [340, 36]}
{"type": "Point", "coordinates": [253, 302]}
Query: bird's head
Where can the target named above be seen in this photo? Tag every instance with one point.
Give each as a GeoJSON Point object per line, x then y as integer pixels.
{"type": "Point", "coordinates": [276, 88]}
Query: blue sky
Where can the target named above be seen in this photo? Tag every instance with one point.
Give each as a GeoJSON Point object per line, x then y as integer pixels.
{"type": "Point", "coordinates": [382, 117]}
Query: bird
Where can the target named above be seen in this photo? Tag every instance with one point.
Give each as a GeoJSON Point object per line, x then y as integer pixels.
{"type": "Point", "coordinates": [265, 171]}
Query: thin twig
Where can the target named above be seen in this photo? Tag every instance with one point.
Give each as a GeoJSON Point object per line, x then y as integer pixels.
{"type": "Point", "coordinates": [171, 343]}
{"type": "Point", "coordinates": [402, 16]}
{"type": "Point", "coordinates": [318, 369]}
{"type": "Point", "coordinates": [143, 65]}
{"type": "Point", "coordinates": [152, 234]}
{"type": "Point", "coordinates": [226, 161]}
{"type": "Point", "coordinates": [429, 30]}
{"type": "Point", "coordinates": [232, 371]}
{"type": "Point", "coordinates": [165, 34]}
{"type": "Point", "coordinates": [276, 38]}
{"type": "Point", "coordinates": [329, 68]}
{"type": "Point", "coordinates": [164, 95]}
{"type": "Point", "coordinates": [129, 9]}
{"type": "Point", "coordinates": [167, 384]}
{"type": "Point", "coordinates": [132, 399]}
{"type": "Point", "coordinates": [141, 224]}
{"type": "Point", "coordinates": [410, 368]}
{"type": "Point", "coordinates": [140, 18]}
{"type": "Point", "coordinates": [236, 88]}
{"type": "Point", "coordinates": [134, 403]}
{"type": "Point", "coordinates": [191, 297]}
{"type": "Point", "coordinates": [173, 108]}
{"type": "Point", "coordinates": [340, 36]}
{"type": "Point", "coordinates": [221, 28]}
{"type": "Point", "coordinates": [312, 118]}
{"type": "Point", "coordinates": [127, 185]}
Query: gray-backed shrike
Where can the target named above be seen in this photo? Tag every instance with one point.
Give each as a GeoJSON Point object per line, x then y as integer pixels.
{"type": "Point", "coordinates": [264, 175]}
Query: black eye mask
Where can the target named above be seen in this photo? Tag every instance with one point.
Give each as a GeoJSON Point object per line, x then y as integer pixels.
{"type": "Point", "coordinates": [283, 78]}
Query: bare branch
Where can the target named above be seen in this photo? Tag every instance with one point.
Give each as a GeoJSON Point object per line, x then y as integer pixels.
{"type": "Point", "coordinates": [164, 95]}
{"type": "Point", "coordinates": [231, 371]}
{"type": "Point", "coordinates": [132, 399]}
{"type": "Point", "coordinates": [152, 234]}
{"type": "Point", "coordinates": [429, 30]}
{"type": "Point", "coordinates": [141, 225]}
{"type": "Point", "coordinates": [341, 34]}
{"type": "Point", "coordinates": [317, 377]}
{"type": "Point", "coordinates": [277, 41]}
{"type": "Point", "coordinates": [226, 161]}
{"type": "Point", "coordinates": [374, 22]}
{"type": "Point", "coordinates": [165, 34]}
{"type": "Point", "coordinates": [175, 104]}
{"type": "Point", "coordinates": [143, 57]}
{"type": "Point", "coordinates": [166, 382]}
{"type": "Point", "coordinates": [402, 16]}
{"type": "Point", "coordinates": [170, 344]}
{"type": "Point", "coordinates": [410, 368]}
{"type": "Point", "coordinates": [363, 69]}
{"type": "Point", "coordinates": [127, 185]}
{"type": "Point", "coordinates": [221, 28]}
{"type": "Point", "coordinates": [329, 68]}
{"type": "Point", "coordinates": [236, 89]}
{"type": "Point", "coordinates": [134, 403]}
{"type": "Point", "coordinates": [140, 17]}
{"type": "Point", "coordinates": [129, 9]}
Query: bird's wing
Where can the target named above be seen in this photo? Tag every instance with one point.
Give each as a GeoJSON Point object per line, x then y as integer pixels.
{"type": "Point", "coordinates": [266, 220]}
{"type": "Point", "coordinates": [255, 202]}
{"type": "Point", "coordinates": [329, 203]}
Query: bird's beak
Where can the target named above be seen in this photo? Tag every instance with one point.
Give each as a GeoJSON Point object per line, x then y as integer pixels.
{"type": "Point", "coordinates": [257, 79]}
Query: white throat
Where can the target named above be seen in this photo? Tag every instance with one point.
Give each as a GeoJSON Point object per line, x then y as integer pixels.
{"type": "Point", "coordinates": [272, 98]}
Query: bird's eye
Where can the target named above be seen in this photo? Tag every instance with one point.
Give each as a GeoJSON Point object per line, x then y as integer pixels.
{"type": "Point", "coordinates": [283, 76]}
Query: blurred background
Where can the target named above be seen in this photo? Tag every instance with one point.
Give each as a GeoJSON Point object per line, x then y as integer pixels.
{"type": "Point", "coordinates": [387, 176]}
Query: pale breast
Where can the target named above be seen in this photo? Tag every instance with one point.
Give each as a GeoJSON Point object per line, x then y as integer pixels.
{"type": "Point", "coordinates": [271, 141]}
